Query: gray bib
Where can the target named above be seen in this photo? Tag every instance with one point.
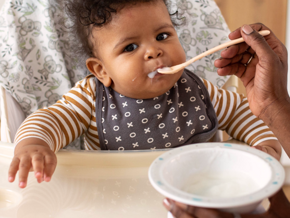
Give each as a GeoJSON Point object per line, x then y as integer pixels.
{"type": "Point", "coordinates": [183, 115]}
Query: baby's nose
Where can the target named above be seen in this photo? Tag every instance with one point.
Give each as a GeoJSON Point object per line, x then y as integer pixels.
{"type": "Point", "coordinates": [152, 53]}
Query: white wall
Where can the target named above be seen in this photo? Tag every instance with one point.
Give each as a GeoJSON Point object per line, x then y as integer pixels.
{"type": "Point", "coordinates": [1, 3]}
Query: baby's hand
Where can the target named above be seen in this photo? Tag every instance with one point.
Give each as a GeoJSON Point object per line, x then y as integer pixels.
{"type": "Point", "coordinates": [271, 147]}
{"type": "Point", "coordinates": [40, 158]}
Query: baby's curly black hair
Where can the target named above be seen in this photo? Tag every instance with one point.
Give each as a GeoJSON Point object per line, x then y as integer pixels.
{"type": "Point", "coordinates": [87, 14]}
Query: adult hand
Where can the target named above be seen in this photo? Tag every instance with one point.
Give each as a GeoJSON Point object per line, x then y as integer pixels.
{"type": "Point", "coordinates": [265, 77]}
{"type": "Point", "coordinates": [279, 208]}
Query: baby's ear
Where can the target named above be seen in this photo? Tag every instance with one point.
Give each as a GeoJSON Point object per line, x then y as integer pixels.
{"type": "Point", "coordinates": [96, 67]}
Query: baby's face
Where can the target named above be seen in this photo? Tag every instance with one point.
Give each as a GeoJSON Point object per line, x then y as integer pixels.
{"type": "Point", "coordinates": [138, 40]}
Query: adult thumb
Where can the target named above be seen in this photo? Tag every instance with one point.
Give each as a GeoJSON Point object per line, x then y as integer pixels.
{"type": "Point", "coordinates": [257, 42]}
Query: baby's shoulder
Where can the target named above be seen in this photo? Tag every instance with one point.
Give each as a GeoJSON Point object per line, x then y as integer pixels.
{"type": "Point", "coordinates": [87, 85]}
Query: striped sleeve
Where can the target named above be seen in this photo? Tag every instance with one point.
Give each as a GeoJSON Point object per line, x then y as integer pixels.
{"type": "Point", "coordinates": [235, 117]}
{"type": "Point", "coordinates": [66, 120]}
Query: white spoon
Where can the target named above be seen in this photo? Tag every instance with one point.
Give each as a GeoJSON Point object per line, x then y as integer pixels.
{"type": "Point", "coordinates": [175, 69]}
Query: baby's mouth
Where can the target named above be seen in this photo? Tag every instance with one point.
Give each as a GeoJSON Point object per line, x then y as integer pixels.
{"type": "Point", "coordinates": [155, 72]}
{"type": "Point", "coordinates": [152, 74]}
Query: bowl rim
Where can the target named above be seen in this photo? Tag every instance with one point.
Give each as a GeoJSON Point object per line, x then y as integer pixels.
{"type": "Point", "coordinates": [274, 184]}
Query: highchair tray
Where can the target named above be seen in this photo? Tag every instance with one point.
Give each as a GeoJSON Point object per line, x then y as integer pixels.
{"type": "Point", "coordinates": [85, 184]}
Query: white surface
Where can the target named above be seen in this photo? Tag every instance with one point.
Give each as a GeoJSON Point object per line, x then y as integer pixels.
{"type": "Point", "coordinates": [9, 199]}
{"type": "Point", "coordinates": [85, 184]}
{"type": "Point", "coordinates": [1, 3]}
{"type": "Point", "coordinates": [11, 116]}
{"type": "Point", "coordinates": [170, 173]}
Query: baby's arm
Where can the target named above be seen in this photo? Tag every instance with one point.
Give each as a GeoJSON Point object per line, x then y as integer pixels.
{"type": "Point", "coordinates": [32, 154]}
{"type": "Point", "coordinates": [236, 118]}
{"type": "Point", "coordinates": [46, 131]}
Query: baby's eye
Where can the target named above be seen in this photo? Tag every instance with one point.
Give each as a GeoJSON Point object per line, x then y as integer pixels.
{"type": "Point", "coordinates": [130, 47]}
{"type": "Point", "coordinates": [162, 36]}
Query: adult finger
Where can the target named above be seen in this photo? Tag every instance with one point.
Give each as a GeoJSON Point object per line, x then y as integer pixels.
{"type": "Point", "coordinates": [234, 50]}
{"type": "Point", "coordinates": [274, 43]}
{"type": "Point", "coordinates": [241, 47]}
{"type": "Point", "coordinates": [203, 212]}
{"type": "Point", "coordinates": [245, 73]}
{"type": "Point", "coordinates": [279, 205]}
{"type": "Point", "coordinates": [180, 210]}
{"type": "Point", "coordinates": [237, 32]}
{"type": "Point", "coordinates": [14, 166]}
{"type": "Point", "coordinates": [176, 211]}
{"type": "Point", "coordinates": [50, 162]}
{"type": "Point", "coordinates": [240, 58]}
{"type": "Point", "coordinates": [257, 43]}
{"type": "Point", "coordinates": [276, 198]}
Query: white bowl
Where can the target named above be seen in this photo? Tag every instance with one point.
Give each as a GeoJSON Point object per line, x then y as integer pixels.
{"type": "Point", "coordinates": [224, 176]}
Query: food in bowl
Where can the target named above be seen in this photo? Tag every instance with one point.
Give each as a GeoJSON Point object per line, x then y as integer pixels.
{"type": "Point", "coordinates": [224, 176]}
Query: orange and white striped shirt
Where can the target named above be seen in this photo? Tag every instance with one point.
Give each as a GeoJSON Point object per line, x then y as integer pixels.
{"type": "Point", "coordinates": [74, 115]}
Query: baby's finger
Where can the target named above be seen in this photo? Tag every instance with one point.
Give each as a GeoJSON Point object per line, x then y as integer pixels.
{"type": "Point", "coordinates": [38, 165]}
{"type": "Point", "coordinates": [49, 166]}
{"type": "Point", "coordinates": [261, 148]}
{"type": "Point", "coordinates": [268, 150]}
{"type": "Point", "coordinates": [24, 167]}
{"type": "Point", "coordinates": [14, 166]}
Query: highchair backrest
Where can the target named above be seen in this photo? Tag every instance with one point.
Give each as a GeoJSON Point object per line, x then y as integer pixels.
{"type": "Point", "coordinates": [37, 66]}
{"type": "Point", "coordinates": [204, 29]}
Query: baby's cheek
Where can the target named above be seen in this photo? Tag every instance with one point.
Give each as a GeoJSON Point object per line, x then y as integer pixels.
{"type": "Point", "coordinates": [180, 56]}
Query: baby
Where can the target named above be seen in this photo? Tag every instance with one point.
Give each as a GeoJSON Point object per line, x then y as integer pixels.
{"type": "Point", "coordinates": [120, 106]}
